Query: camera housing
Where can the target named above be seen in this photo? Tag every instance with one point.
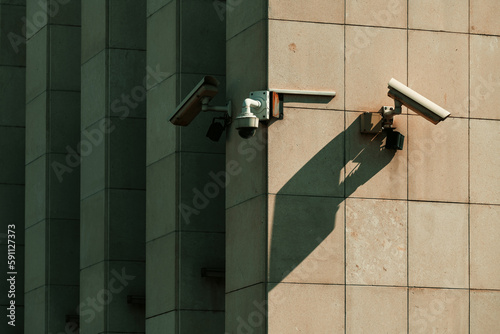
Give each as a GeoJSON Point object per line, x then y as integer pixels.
{"type": "Point", "coordinates": [416, 102]}
{"type": "Point", "coordinates": [195, 101]}
{"type": "Point", "coordinates": [256, 108]}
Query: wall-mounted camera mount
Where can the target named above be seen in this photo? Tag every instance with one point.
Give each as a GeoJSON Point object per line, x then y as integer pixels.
{"type": "Point", "coordinates": [373, 123]}
{"type": "Point", "coordinates": [197, 101]}
{"type": "Point", "coordinates": [261, 106]}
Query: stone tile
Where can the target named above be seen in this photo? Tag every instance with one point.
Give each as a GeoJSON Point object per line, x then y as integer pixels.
{"type": "Point", "coordinates": [93, 158]}
{"type": "Point", "coordinates": [12, 141]}
{"type": "Point", "coordinates": [36, 127]}
{"type": "Point", "coordinates": [484, 247]}
{"type": "Point", "coordinates": [322, 11]}
{"type": "Point", "coordinates": [163, 322]}
{"type": "Point", "coordinates": [438, 160]}
{"type": "Point", "coordinates": [241, 15]}
{"type": "Point", "coordinates": [484, 310]}
{"type": "Point", "coordinates": [312, 167]}
{"type": "Point", "coordinates": [307, 308]}
{"type": "Point", "coordinates": [93, 245]}
{"type": "Point", "coordinates": [65, 55]}
{"type": "Point", "coordinates": [162, 136]}
{"type": "Point", "coordinates": [376, 309]}
{"type": "Point", "coordinates": [485, 76]}
{"type": "Point", "coordinates": [126, 154]}
{"type": "Point", "coordinates": [64, 122]}
{"type": "Point", "coordinates": [63, 256]}
{"type": "Point", "coordinates": [161, 191]}
{"type": "Point", "coordinates": [438, 229]}
{"type": "Point", "coordinates": [376, 242]}
{"type": "Point", "coordinates": [306, 239]}
{"type": "Point", "coordinates": [64, 189]}
{"type": "Point", "coordinates": [438, 68]}
{"type": "Point", "coordinates": [125, 279]}
{"type": "Point", "coordinates": [94, 29]}
{"type": "Point", "coordinates": [12, 96]}
{"type": "Point", "coordinates": [248, 155]}
{"type": "Point", "coordinates": [366, 78]}
{"type": "Point", "coordinates": [35, 301]}
{"type": "Point", "coordinates": [93, 94]}
{"type": "Point", "coordinates": [202, 196]}
{"type": "Point", "coordinates": [373, 171]}
{"type": "Point", "coordinates": [161, 273]}
{"type": "Point", "coordinates": [246, 310]}
{"type": "Point", "coordinates": [197, 251]}
{"type": "Point", "coordinates": [193, 137]}
{"type": "Point", "coordinates": [484, 166]}
{"type": "Point", "coordinates": [13, 41]}
{"type": "Point", "coordinates": [483, 17]}
{"type": "Point", "coordinates": [444, 15]}
{"type": "Point", "coordinates": [202, 29]}
{"type": "Point", "coordinates": [65, 12]}
{"type": "Point", "coordinates": [36, 17]}
{"type": "Point", "coordinates": [62, 299]}
{"type": "Point", "coordinates": [92, 284]}
{"type": "Point", "coordinates": [206, 322]}
{"type": "Point", "coordinates": [246, 225]}
{"type": "Point", "coordinates": [35, 258]}
{"type": "Point", "coordinates": [36, 185]}
{"type": "Point", "coordinates": [162, 39]}
{"type": "Point", "coordinates": [127, 88]}
{"type": "Point", "coordinates": [155, 5]}
{"type": "Point", "coordinates": [127, 24]}
{"type": "Point", "coordinates": [291, 45]}
{"type": "Point", "coordinates": [437, 310]}
{"type": "Point", "coordinates": [126, 213]}
{"type": "Point", "coordinates": [36, 65]}
{"type": "Point", "coordinates": [377, 13]}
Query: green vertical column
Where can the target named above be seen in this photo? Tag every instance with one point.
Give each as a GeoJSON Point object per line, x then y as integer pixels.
{"type": "Point", "coordinates": [186, 40]}
{"type": "Point", "coordinates": [113, 145]}
{"type": "Point", "coordinates": [12, 131]}
{"type": "Point", "coordinates": [52, 184]}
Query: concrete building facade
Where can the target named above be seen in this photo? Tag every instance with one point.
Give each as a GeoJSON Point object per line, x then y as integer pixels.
{"type": "Point", "coordinates": [117, 221]}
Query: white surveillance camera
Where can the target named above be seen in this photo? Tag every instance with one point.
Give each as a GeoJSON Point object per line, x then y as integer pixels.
{"type": "Point", "coordinates": [196, 101]}
{"type": "Point", "coordinates": [248, 122]}
{"type": "Point", "coordinates": [416, 102]}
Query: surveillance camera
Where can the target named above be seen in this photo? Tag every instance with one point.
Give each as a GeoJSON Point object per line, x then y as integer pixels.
{"type": "Point", "coordinates": [195, 101]}
{"type": "Point", "coordinates": [416, 102]}
{"type": "Point", "coordinates": [247, 124]}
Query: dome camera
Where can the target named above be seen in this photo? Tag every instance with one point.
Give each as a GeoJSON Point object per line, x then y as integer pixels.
{"type": "Point", "coordinates": [247, 124]}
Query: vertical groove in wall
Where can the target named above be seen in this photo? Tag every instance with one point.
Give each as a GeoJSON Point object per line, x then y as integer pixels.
{"type": "Point", "coordinates": [344, 171]}
{"type": "Point", "coordinates": [407, 174]}
{"type": "Point", "coordinates": [469, 148]}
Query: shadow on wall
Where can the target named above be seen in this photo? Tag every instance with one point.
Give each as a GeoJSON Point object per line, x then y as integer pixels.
{"type": "Point", "coordinates": [307, 232]}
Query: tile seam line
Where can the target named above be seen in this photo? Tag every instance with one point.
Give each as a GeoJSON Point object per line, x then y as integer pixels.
{"type": "Point", "coordinates": [245, 287]}
{"type": "Point", "coordinates": [109, 261]}
{"type": "Point", "coordinates": [110, 48]}
{"type": "Point", "coordinates": [247, 28]}
{"type": "Point", "coordinates": [158, 9]}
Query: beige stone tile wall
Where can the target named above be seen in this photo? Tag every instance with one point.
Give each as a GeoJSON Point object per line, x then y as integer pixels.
{"type": "Point", "coordinates": [407, 240]}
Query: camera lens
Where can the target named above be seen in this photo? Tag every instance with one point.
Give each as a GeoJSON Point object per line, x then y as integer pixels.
{"type": "Point", "coordinates": [246, 133]}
